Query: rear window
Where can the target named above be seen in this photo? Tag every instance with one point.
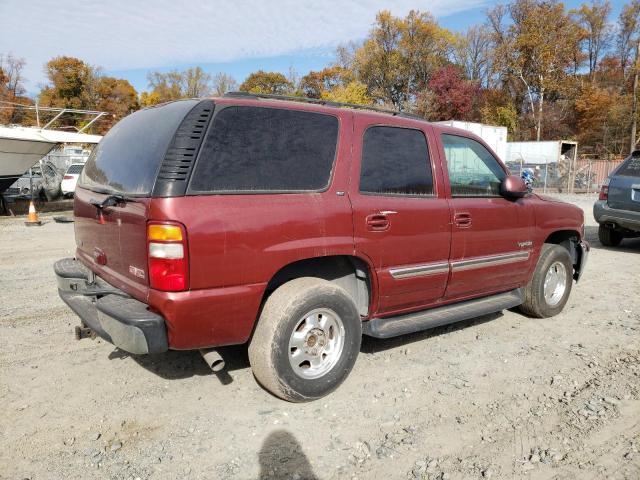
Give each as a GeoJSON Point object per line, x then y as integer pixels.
{"type": "Point", "coordinates": [630, 168]}
{"type": "Point", "coordinates": [75, 169]}
{"type": "Point", "coordinates": [127, 159]}
{"type": "Point", "coordinates": [256, 149]}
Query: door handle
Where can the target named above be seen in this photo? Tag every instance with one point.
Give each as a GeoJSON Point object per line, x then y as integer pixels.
{"type": "Point", "coordinates": [462, 220]}
{"type": "Point", "coordinates": [377, 222]}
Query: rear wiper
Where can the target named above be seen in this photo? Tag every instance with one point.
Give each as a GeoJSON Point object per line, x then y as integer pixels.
{"type": "Point", "coordinates": [109, 201]}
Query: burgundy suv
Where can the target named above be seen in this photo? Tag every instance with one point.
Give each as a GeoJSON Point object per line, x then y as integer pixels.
{"type": "Point", "coordinates": [298, 226]}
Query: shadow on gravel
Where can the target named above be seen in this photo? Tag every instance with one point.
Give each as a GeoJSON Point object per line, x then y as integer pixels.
{"type": "Point", "coordinates": [631, 245]}
{"type": "Point", "coordinates": [177, 365]}
{"type": "Point", "coordinates": [281, 456]}
{"type": "Point", "coordinates": [375, 345]}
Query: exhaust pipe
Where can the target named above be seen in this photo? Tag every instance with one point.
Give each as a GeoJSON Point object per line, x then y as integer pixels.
{"type": "Point", "coordinates": [212, 359]}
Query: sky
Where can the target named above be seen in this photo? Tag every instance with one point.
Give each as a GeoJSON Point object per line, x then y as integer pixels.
{"type": "Point", "coordinates": [128, 38]}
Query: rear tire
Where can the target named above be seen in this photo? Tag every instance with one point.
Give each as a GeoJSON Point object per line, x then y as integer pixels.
{"type": "Point", "coordinates": [548, 291]}
{"type": "Point", "coordinates": [609, 237]}
{"type": "Point", "coordinates": [306, 341]}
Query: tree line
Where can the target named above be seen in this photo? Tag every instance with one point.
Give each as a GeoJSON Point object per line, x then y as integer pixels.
{"type": "Point", "coordinates": [533, 66]}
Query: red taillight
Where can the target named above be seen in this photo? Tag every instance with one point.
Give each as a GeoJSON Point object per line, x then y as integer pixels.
{"type": "Point", "coordinates": [68, 177]}
{"type": "Point", "coordinates": [168, 259]}
{"type": "Point", "coordinates": [604, 193]}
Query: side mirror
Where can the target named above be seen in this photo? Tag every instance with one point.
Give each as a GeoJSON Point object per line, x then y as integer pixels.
{"type": "Point", "coordinates": [513, 187]}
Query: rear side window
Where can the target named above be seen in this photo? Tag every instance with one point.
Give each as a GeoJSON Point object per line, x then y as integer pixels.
{"type": "Point", "coordinates": [630, 168]}
{"type": "Point", "coordinates": [255, 149]}
{"type": "Point", "coordinates": [473, 171]}
{"type": "Point", "coordinates": [127, 159]}
{"type": "Point", "coordinates": [395, 161]}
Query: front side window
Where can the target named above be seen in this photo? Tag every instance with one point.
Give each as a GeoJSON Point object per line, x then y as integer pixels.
{"type": "Point", "coordinates": [395, 161]}
{"type": "Point", "coordinates": [473, 170]}
{"type": "Point", "coordinates": [256, 149]}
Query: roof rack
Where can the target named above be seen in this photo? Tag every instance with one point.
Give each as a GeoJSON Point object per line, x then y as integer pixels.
{"type": "Point", "coordinates": [327, 103]}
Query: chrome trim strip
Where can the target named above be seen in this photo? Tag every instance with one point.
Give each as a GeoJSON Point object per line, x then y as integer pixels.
{"type": "Point", "coordinates": [490, 261]}
{"type": "Point", "coordinates": [419, 270]}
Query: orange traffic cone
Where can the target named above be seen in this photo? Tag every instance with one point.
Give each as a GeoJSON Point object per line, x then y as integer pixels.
{"type": "Point", "coordinates": [33, 219]}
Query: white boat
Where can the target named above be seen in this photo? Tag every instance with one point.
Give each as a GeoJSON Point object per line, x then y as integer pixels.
{"type": "Point", "coordinates": [23, 147]}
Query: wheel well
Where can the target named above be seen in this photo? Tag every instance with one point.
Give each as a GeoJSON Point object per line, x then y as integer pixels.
{"type": "Point", "coordinates": [568, 239]}
{"type": "Point", "coordinates": [350, 273]}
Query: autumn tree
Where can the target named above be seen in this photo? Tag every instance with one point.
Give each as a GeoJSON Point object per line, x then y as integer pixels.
{"type": "Point", "coordinates": [164, 87]}
{"type": "Point", "coordinates": [117, 97]}
{"type": "Point", "coordinates": [399, 56]}
{"type": "Point", "coordinates": [12, 90]}
{"type": "Point", "coordinates": [453, 95]}
{"type": "Point", "coordinates": [72, 84]}
{"type": "Point", "coordinates": [602, 118]}
{"type": "Point", "coordinates": [593, 18]}
{"type": "Point", "coordinates": [537, 47]}
{"type": "Point", "coordinates": [315, 84]}
{"type": "Point", "coordinates": [266, 82]}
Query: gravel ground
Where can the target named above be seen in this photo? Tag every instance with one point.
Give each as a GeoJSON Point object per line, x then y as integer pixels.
{"type": "Point", "coordinates": [502, 396]}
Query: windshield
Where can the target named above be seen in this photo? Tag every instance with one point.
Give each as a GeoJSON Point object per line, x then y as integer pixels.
{"type": "Point", "coordinates": [127, 159]}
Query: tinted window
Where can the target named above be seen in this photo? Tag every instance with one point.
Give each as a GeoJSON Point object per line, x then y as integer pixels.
{"type": "Point", "coordinates": [253, 149]}
{"type": "Point", "coordinates": [473, 171]}
{"type": "Point", "coordinates": [630, 168]}
{"type": "Point", "coordinates": [127, 159]}
{"type": "Point", "coordinates": [395, 161]}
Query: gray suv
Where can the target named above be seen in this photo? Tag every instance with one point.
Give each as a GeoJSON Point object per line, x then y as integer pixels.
{"type": "Point", "coordinates": [617, 209]}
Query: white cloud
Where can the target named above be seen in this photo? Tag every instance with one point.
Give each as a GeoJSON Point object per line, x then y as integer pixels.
{"type": "Point", "coordinates": [127, 34]}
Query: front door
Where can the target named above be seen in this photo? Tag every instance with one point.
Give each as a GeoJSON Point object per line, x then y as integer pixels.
{"type": "Point", "coordinates": [400, 214]}
{"type": "Point", "coordinates": [491, 243]}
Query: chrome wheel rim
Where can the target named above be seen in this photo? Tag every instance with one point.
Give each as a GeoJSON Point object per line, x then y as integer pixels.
{"type": "Point", "coordinates": [316, 343]}
{"type": "Point", "coordinates": [555, 283]}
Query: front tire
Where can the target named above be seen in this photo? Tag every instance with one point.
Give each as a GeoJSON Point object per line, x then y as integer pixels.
{"type": "Point", "coordinates": [306, 341]}
{"type": "Point", "coordinates": [609, 237]}
{"type": "Point", "coordinates": [548, 291]}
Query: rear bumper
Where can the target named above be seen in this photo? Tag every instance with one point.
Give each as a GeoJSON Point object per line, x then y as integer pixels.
{"type": "Point", "coordinates": [112, 314]}
{"type": "Point", "coordinates": [622, 218]}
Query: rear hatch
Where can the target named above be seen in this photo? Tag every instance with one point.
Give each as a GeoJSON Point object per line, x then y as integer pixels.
{"type": "Point", "coordinates": [624, 186]}
{"type": "Point", "coordinates": [114, 195]}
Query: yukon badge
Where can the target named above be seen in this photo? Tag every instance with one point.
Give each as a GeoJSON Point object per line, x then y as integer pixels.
{"type": "Point", "coordinates": [136, 272]}
{"type": "Point", "coordinates": [528, 243]}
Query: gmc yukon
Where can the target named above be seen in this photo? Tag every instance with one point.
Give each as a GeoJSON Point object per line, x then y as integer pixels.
{"type": "Point", "coordinates": [298, 226]}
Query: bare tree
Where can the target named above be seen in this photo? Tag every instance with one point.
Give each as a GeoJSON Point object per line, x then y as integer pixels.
{"type": "Point", "coordinates": [223, 83]}
{"type": "Point", "coordinates": [196, 83]}
{"type": "Point", "coordinates": [473, 53]}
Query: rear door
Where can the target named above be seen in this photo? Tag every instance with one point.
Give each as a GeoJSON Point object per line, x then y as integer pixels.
{"type": "Point", "coordinates": [122, 171]}
{"type": "Point", "coordinates": [624, 186]}
{"type": "Point", "coordinates": [400, 215]}
{"type": "Point", "coordinates": [491, 243]}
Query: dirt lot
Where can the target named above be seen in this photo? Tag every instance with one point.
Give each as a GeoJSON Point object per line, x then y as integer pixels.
{"type": "Point", "coordinates": [503, 396]}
